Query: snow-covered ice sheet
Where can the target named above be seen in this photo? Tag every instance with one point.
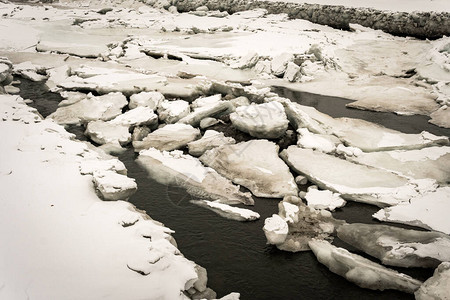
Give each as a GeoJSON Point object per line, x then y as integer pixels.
{"type": "Point", "coordinates": [66, 236]}
{"type": "Point", "coordinates": [429, 211]}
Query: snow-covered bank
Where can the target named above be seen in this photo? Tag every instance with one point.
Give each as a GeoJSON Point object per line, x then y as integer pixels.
{"type": "Point", "coordinates": [418, 24]}
{"type": "Point", "coordinates": [59, 240]}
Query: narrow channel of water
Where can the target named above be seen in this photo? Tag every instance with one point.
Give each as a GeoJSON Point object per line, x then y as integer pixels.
{"type": "Point", "coordinates": [236, 254]}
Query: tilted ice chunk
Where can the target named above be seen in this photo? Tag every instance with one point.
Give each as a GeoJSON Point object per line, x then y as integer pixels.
{"type": "Point", "coordinates": [227, 211]}
{"type": "Point", "coordinates": [267, 120]}
{"type": "Point", "coordinates": [70, 98]}
{"type": "Point", "coordinates": [187, 171]}
{"type": "Point", "coordinates": [324, 199]}
{"type": "Point", "coordinates": [276, 230]}
{"type": "Point", "coordinates": [107, 133]}
{"type": "Point", "coordinates": [436, 287]}
{"type": "Point", "coordinates": [301, 119]}
{"type": "Point", "coordinates": [280, 63]}
{"type": "Point", "coordinates": [137, 117]}
{"type": "Point", "coordinates": [140, 132]}
{"type": "Point", "coordinates": [353, 181]}
{"type": "Point", "coordinates": [91, 108]}
{"type": "Point", "coordinates": [397, 246]}
{"type": "Point", "coordinates": [211, 139]}
{"type": "Point", "coordinates": [206, 101]}
{"type": "Point", "coordinates": [208, 122]}
{"type": "Point", "coordinates": [429, 211]}
{"type": "Point", "coordinates": [214, 110]}
{"type": "Point", "coordinates": [361, 271]}
{"type": "Point", "coordinates": [172, 111]}
{"type": "Point", "coordinates": [113, 186]}
{"type": "Point", "coordinates": [148, 99]}
{"type": "Point", "coordinates": [57, 74]}
{"type": "Point", "coordinates": [354, 132]}
{"type": "Point", "coordinates": [247, 61]}
{"type": "Point", "coordinates": [431, 162]}
{"type": "Point", "coordinates": [313, 141]}
{"type": "Point", "coordinates": [254, 164]}
{"type": "Point", "coordinates": [292, 72]}
{"type": "Point", "coordinates": [169, 137]}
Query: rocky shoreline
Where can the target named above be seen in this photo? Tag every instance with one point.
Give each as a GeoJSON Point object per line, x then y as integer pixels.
{"type": "Point", "coordinates": [423, 25]}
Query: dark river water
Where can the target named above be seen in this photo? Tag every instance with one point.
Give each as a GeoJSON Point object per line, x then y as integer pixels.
{"type": "Point", "coordinates": [236, 254]}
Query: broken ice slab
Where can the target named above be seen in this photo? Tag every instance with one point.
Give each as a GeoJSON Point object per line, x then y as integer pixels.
{"type": "Point", "coordinates": [353, 181]}
{"type": "Point", "coordinates": [169, 137]}
{"type": "Point", "coordinates": [267, 120]}
{"type": "Point", "coordinates": [227, 211]}
{"type": "Point", "coordinates": [437, 286]}
{"type": "Point", "coordinates": [211, 139]}
{"type": "Point", "coordinates": [324, 199]}
{"type": "Point", "coordinates": [429, 211]}
{"type": "Point", "coordinates": [172, 111]}
{"type": "Point", "coordinates": [90, 108]}
{"type": "Point", "coordinates": [187, 171]}
{"type": "Point", "coordinates": [214, 110]}
{"type": "Point", "coordinates": [113, 186]}
{"type": "Point", "coordinates": [254, 164]}
{"type": "Point", "coordinates": [430, 162]}
{"type": "Point", "coordinates": [361, 271]}
{"type": "Point", "coordinates": [397, 246]}
{"type": "Point", "coordinates": [107, 133]}
{"type": "Point", "coordinates": [137, 117]}
{"type": "Point", "coordinates": [355, 132]}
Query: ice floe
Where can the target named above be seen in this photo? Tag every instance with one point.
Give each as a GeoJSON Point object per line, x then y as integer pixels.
{"type": "Point", "coordinates": [353, 181]}
{"type": "Point", "coordinates": [187, 171]}
{"type": "Point", "coordinates": [431, 162]}
{"type": "Point", "coordinates": [428, 211]}
{"type": "Point", "coordinates": [169, 137]}
{"type": "Point", "coordinates": [362, 271]}
{"type": "Point", "coordinates": [254, 164]}
{"type": "Point", "coordinates": [397, 246]}
{"type": "Point", "coordinates": [227, 211]}
{"type": "Point", "coordinates": [211, 139]}
{"type": "Point", "coordinates": [91, 108]}
{"type": "Point", "coordinates": [324, 199]}
{"type": "Point", "coordinates": [267, 120]}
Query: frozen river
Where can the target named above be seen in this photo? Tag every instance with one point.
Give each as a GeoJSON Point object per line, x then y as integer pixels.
{"type": "Point", "coordinates": [235, 253]}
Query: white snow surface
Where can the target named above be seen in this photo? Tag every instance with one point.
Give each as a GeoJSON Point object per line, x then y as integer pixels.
{"type": "Point", "coordinates": [231, 212]}
{"type": "Point", "coordinates": [324, 199]}
{"type": "Point", "coordinates": [313, 141]}
{"type": "Point", "coordinates": [67, 238]}
{"type": "Point", "coordinates": [428, 211]}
